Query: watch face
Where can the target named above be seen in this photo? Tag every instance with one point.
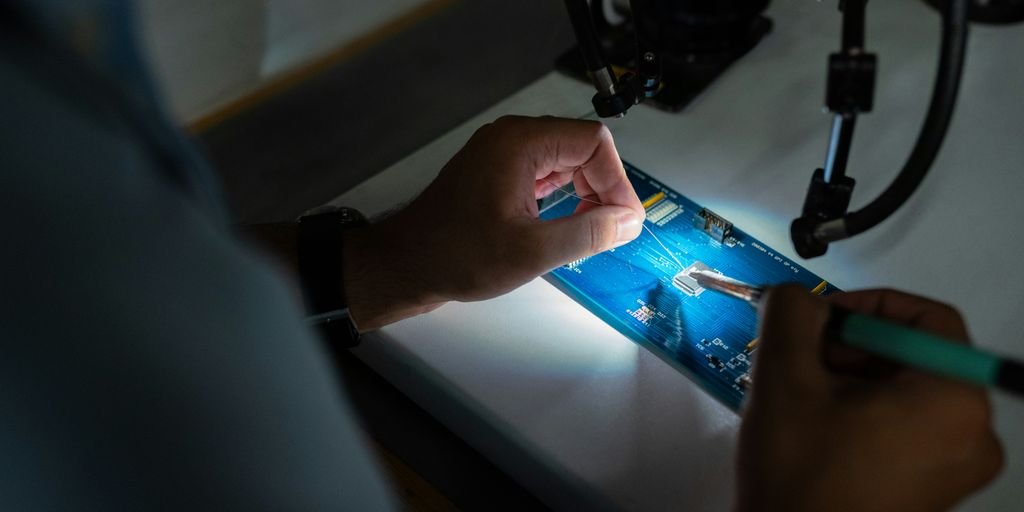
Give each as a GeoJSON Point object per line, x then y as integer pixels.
{"type": "Point", "coordinates": [343, 215]}
{"type": "Point", "coordinates": [350, 216]}
{"type": "Point", "coordinates": [319, 210]}
{"type": "Point", "coordinates": [321, 253]}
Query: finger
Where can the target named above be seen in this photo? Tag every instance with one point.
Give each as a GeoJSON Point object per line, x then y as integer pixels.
{"type": "Point", "coordinates": [990, 460]}
{"type": "Point", "coordinates": [605, 177]}
{"type": "Point", "coordinates": [556, 180]}
{"type": "Point", "coordinates": [543, 188]}
{"type": "Point", "coordinates": [790, 353]}
{"type": "Point", "coordinates": [907, 309]}
{"type": "Point", "coordinates": [586, 147]}
{"type": "Point", "coordinates": [917, 389]}
{"type": "Point", "coordinates": [557, 242]}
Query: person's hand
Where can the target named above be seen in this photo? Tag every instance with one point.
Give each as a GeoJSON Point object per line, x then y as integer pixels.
{"type": "Point", "coordinates": [829, 428]}
{"type": "Point", "coordinates": [474, 233]}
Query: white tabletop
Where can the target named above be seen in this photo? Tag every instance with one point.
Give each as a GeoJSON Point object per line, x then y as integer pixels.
{"type": "Point", "coordinates": [584, 418]}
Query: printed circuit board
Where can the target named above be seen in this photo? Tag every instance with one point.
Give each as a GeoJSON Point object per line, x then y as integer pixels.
{"type": "Point", "coordinates": [643, 289]}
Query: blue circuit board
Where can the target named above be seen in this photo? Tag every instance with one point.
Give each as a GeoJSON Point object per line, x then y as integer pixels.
{"type": "Point", "coordinates": [643, 291]}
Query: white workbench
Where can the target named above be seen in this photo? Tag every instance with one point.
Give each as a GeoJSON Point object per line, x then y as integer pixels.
{"type": "Point", "coordinates": [585, 419]}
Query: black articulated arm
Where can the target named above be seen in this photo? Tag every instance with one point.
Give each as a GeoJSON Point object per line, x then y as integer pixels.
{"type": "Point", "coordinates": [616, 95]}
{"type": "Point", "coordinates": [590, 47]}
{"type": "Point", "coordinates": [850, 90]}
{"type": "Point", "coordinates": [648, 48]}
{"type": "Point", "coordinates": [940, 113]}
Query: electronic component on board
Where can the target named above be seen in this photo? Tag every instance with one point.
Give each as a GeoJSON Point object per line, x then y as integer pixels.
{"type": "Point", "coordinates": [820, 289]}
{"type": "Point", "coordinates": [744, 381]}
{"type": "Point", "coordinates": [752, 345]}
{"type": "Point", "coordinates": [642, 291]}
{"type": "Point", "coordinates": [663, 212]}
{"type": "Point", "coordinates": [573, 264]}
{"type": "Point", "coordinates": [686, 283]}
{"type": "Point", "coordinates": [713, 224]}
{"type": "Point", "coordinates": [653, 200]}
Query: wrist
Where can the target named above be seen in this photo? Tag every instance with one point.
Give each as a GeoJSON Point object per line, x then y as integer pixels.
{"type": "Point", "coordinates": [382, 284]}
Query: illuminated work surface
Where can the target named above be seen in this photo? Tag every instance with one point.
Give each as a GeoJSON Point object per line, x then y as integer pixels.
{"type": "Point", "coordinates": [580, 415]}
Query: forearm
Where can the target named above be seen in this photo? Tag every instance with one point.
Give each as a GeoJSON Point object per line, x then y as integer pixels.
{"type": "Point", "coordinates": [475, 232]}
{"type": "Point", "coordinates": [382, 280]}
{"type": "Point", "coordinates": [380, 284]}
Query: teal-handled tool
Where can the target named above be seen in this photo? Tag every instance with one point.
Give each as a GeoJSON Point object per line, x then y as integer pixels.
{"type": "Point", "coordinates": [915, 348]}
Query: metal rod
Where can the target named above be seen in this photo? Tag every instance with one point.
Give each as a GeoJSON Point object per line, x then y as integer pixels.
{"type": "Point", "coordinates": [840, 140]}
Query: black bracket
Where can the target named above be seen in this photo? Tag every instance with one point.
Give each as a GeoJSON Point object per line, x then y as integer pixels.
{"type": "Point", "coordinates": [850, 87]}
{"type": "Point", "coordinates": [850, 90]}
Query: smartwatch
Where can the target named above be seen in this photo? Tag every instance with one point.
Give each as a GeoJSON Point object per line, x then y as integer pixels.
{"type": "Point", "coordinates": [321, 251]}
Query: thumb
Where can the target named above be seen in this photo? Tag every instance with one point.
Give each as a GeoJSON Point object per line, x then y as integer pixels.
{"type": "Point", "coordinates": [792, 332]}
{"type": "Point", "coordinates": [583, 234]}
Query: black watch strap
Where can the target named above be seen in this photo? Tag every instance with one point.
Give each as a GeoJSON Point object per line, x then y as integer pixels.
{"type": "Point", "coordinates": [321, 252]}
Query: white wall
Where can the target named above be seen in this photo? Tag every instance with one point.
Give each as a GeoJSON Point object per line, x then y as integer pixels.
{"type": "Point", "coordinates": [206, 54]}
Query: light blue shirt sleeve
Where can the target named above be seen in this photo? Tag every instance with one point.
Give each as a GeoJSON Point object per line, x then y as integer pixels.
{"type": "Point", "coordinates": [149, 361]}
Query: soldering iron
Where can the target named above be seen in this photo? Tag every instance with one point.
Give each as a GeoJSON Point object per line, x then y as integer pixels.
{"type": "Point", "coordinates": [915, 348]}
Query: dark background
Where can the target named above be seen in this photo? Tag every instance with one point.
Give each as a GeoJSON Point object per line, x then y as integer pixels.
{"type": "Point", "coordinates": [313, 142]}
{"type": "Point", "coordinates": [310, 143]}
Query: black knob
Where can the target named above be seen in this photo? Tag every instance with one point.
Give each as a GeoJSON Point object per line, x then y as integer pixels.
{"type": "Point", "coordinates": [802, 233]}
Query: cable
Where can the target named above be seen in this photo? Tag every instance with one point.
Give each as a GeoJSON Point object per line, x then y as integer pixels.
{"type": "Point", "coordinates": [853, 24]}
{"type": "Point", "coordinates": [940, 113]}
{"type": "Point", "coordinates": [586, 35]}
